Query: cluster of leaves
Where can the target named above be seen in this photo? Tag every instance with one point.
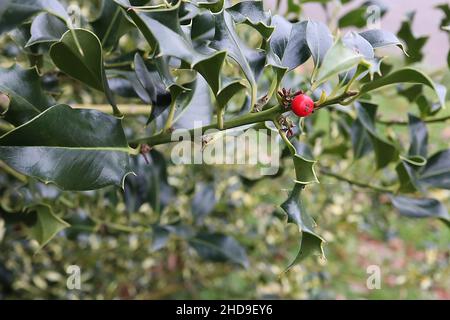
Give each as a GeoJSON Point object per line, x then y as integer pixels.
{"type": "Point", "coordinates": [190, 61]}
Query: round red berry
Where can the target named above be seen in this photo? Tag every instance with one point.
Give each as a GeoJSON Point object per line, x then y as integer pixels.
{"type": "Point", "coordinates": [302, 105]}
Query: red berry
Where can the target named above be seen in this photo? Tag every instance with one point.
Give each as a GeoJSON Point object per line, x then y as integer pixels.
{"type": "Point", "coordinates": [302, 105]}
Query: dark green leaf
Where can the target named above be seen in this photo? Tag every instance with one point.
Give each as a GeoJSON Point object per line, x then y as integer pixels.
{"type": "Point", "coordinates": [419, 137]}
{"type": "Point", "coordinates": [47, 225]}
{"type": "Point", "coordinates": [203, 202]}
{"type": "Point", "coordinates": [356, 17]}
{"type": "Point", "coordinates": [23, 88]}
{"type": "Point", "coordinates": [253, 14]}
{"type": "Point", "coordinates": [421, 208]}
{"type": "Point", "coordinates": [436, 172]}
{"type": "Point", "coordinates": [405, 75]}
{"type": "Point", "coordinates": [79, 54]}
{"type": "Point", "coordinates": [311, 243]}
{"type": "Point", "coordinates": [385, 151]}
{"type": "Point", "coordinates": [319, 40]}
{"type": "Point", "coordinates": [46, 28]}
{"type": "Point", "coordinates": [15, 12]}
{"type": "Point", "coordinates": [74, 149]}
{"type": "Point", "coordinates": [360, 140]}
{"type": "Point", "coordinates": [218, 247]}
{"type": "Point", "coordinates": [162, 30]}
{"type": "Point", "coordinates": [414, 44]}
{"type": "Point", "coordinates": [110, 25]}
{"type": "Point", "coordinates": [288, 45]}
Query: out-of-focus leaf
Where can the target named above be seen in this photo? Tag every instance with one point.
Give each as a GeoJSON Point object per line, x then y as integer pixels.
{"type": "Point", "coordinates": [360, 140]}
{"type": "Point", "coordinates": [414, 44]}
{"type": "Point", "coordinates": [421, 208]}
{"type": "Point", "coordinates": [218, 247]}
{"type": "Point", "coordinates": [79, 54]}
{"type": "Point", "coordinates": [15, 12]}
{"type": "Point", "coordinates": [385, 151]}
{"type": "Point", "coordinates": [74, 149]}
{"type": "Point", "coordinates": [436, 172]}
{"type": "Point", "coordinates": [46, 28]}
{"type": "Point", "coordinates": [311, 243]}
{"type": "Point", "coordinates": [47, 225]}
{"type": "Point", "coordinates": [110, 25]}
{"type": "Point", "coordinates": [150, 184]}
{"type": "Point", "coordinates": [418, 133]}
{"type": "Point", "coordinates": [23, 88]}
{"type": "Point", "coordinates": [203, 202]}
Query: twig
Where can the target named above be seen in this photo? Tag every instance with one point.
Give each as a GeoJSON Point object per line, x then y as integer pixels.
{"type": "Point", "coordinates": [353, 182]}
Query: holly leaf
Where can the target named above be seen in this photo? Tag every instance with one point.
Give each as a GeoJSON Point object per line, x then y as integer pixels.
{"type": "Point", "coordinates": [418, 133]}
{"type": "Point", "coordinates": [288, 47]}
{"type": "Point", "coordinates": [47, 225]}
{"type": "Point", "coordinates": [74, 149]}
{"type": "Point", "coordinates": [217, 247]}
{"type": "Point", "coordinates": [415, 44]}
{"type": "Point", "coordinates": [79, 54]}
{"type": "Point", "coordinates": [110, 25]}
{"type": "Point", "coordinates": [311, 243]}
{"type": "Point", "coordinates": [15, 12]}
{"type": "Point", "coordinates": [23, 88]}
{"type": "Point", "coordinates": [436, 173]}
{"type": "Point", "coordinates": [46, 28]}
{"type": "Point", "coordinates": [385, 151]}
{"type": "Point", "coordinates": [421, 208]}
{"type": "Point", "coordinates": [252, 13]}
{"type": "Point", "coordinates": [162, 30]}
{"type": "Point", "coordinates": [404, 75]}
{"type": "Point", "coordinates": [381, 38]}
{"type": "Point", "coordinates": [338, 59]}
{"type": "Point", "coordinates": [203, 202]}
{"type": "Point", "coordinates": [319, 40]}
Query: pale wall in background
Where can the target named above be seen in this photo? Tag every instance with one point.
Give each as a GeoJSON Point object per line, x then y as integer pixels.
{"type": "Point", "coordinates": [426, 23]}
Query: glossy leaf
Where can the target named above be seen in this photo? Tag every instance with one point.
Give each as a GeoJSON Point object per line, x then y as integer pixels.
{"type": "Point", "coordinates": [311, 243]}
{"type": "Point", "coordinates": [381, 38]}
{"type": "Point", "coordinates": [74, 149]}
{"type": "Point", "coordinates": [319, 40]}
{"type": "Point", "coordinates": [218, 247]}
{"type": "Point", "coordinates": [162, 30]}
{"type": "Point", "coordinates": [405, 75]}
{"type": "Point", "coordinates": [288, 47]}
{"type": "Point", "coordinates": [110, 25]}
{"type": "Point", "coordinates": [253, 14]}
{"type": "Point", "coordinates": [337, 60]}
{"type": "Point", "coordinates": [23, 88]}
{"type": "Point", "coordinates": [360, 140]}
{"type": "Point", "coordinates": [157, 94]}
{"type": "Point", "coordinates": [79, 54]}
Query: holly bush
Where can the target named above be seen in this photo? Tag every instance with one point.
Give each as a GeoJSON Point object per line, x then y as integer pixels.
{"type": "Point", "coordinates": [92, 94]}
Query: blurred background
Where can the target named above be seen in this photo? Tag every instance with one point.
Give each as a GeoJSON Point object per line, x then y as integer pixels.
{"type": "Point", "coordinates": [360, 227]}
